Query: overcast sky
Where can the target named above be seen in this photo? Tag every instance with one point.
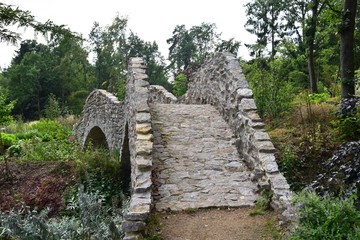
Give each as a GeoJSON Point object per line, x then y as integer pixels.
{"type": "Point", "coordinates": [152, 20]}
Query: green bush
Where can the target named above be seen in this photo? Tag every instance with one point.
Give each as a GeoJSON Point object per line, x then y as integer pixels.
{"type": "Point", "coordinates": [5, 107]}
{"type": "Point", "coordinates": [180, 85]}
{"type": "Point", "coordinates": [7, 139]}
{"type": "Point", "coordinates": [121, 90]}
{"type": "Point", "coordinates": [326, 217]}
{"type": "Point", "coordinates": [52, 108]}
{"type": "Point", "coordinates": [348, 127]}
{"type": "Point", "coordinates": [90, 220]}
{"type": "Point", "coordinates": [262, 203]}
{"type": "Point", "coordinates": [272, 93]}
{"type": "Point", "coordinates": [43, 140]}
{"type": "Point", "coordinates": [319, 97]}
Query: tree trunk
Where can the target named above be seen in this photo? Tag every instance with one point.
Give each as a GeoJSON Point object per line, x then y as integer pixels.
{"type": "Point", "coordinates": [311, 67]}
{"type": "Point", "coordinates": [310, 40]}
{"type": "Point", "coordinates": [347, 62]}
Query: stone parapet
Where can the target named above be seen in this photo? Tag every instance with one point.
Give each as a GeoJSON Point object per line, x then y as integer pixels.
{"type": "Point", "coordinates": [158, 94]}
{"type": "Point", "coordinates": [221, 83]}
{"type": "Point", "coordinates": [140, 146]}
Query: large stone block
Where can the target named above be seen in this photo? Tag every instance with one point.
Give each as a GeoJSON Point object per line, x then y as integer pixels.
{"type": "Point", "coordinates": [133, 226]}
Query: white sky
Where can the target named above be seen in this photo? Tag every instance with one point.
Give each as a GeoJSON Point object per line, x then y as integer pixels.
{"type": "Point", "coordinates": [151, 20]}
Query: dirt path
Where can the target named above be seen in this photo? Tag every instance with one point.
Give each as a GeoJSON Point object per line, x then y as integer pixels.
{"type": "Point", "coordinates": [218, 224]}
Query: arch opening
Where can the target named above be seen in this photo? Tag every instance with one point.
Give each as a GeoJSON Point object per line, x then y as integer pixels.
{"type": "Point", "coordinates": [96, 138]}
{"type": "Point", "coordinates": [126, 163]}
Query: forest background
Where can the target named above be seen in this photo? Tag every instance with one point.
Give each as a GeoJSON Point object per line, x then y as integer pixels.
{"type": "Point", "coordinates": [303, 72]}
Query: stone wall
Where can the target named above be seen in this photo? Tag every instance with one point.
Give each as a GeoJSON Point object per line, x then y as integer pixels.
{"type": "Point", "coordinates": [158, 94]}
{"type": "Point", "coordinates": [140, 145]}
{"type": "Point", "coordinates": [220, 82]}
{"type": "Point", "coordinates": [103, 110]}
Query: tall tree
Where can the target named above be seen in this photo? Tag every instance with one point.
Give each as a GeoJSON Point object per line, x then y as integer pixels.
{"type": "Point", "coordinates": [109, 46]}
{"type": "Point", "coordinates": [13, 16]}
{"type": "Point", "coordinates": [182, 49]}
{"type": "Point", "coordinates": [205, 38]}
{"type": "Point", "coordinates": [347, 49]}
{"type": "Point", "coordinates": [230, 45]}
{"type": "Point", "coordinates": [136, 47]}
{"type": "Point", "coordinates": [315, 7]}
{"type": "Point", "coordinates": [266, 22]}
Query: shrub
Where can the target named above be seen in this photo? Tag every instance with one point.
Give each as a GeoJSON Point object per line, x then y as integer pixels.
{"type": "Point", "coordinates": [5, 107]}
{"type": "Point", "coordinates": [326, 217]}
{"type": "Point", "coordinates": [121, 90]}
{"type": "Point", "coordinates": [272, 93]}
{"type": "Point", "coordinates": [319, 97]}
{"type": "Point", "coordinates": [7, 139]}
{"type": "Point", "coordinates": [348, 126]}
{"type": "Point", "coordinates": [262, 203]}
{"type": "Point", "coordinates": [48, 194]}
{"type": "Point", "coordinates": [91, 220]}
{"type": "Point", "coordinates": [340, 173]}
{"type": "Point", "coordinates": [180, 85]}
{"type": "Point", "coordinates": [52, 108]}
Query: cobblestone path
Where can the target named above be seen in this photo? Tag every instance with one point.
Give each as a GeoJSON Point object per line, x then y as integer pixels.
{"type": "Point", "coordinates": [196, 161]}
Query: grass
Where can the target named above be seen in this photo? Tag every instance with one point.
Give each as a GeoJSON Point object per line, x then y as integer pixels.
{"type": "Point", "coordinates": [153, 227]}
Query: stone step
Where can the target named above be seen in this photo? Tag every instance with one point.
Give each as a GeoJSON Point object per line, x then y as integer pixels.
{"type": "Point", "coordinates": [195, 160]}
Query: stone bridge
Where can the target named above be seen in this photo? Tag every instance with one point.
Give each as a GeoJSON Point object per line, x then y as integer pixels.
{"type": "Point", "coordinates": [207, 149]}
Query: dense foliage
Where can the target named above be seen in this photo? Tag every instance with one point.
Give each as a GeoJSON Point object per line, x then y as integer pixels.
{"type": "Point", "coordinates": [326, 218]}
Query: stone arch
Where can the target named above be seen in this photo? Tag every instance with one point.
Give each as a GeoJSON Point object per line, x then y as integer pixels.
{"type": "Point", "coordinates": [97, 138]}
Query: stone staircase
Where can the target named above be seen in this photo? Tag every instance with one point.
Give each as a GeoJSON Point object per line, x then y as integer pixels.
{"type": "Point", "coordinates": [195, 160]}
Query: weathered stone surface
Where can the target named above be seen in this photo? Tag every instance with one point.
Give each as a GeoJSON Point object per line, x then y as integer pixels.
{"type": "Point", "coordinates": [143, 163]}
{"type": "Point", "coordinates": [140, 213]}
{"type": "Point", "coordinates": [143, 147]}
{"type": "Point", "coordinates": [143, 117]}
{"type": "Point", "coordinates": [133, 226]}
{"type": "Point", "coordinates": [261, 136]}
{"type": "Point", "coordinates": [133, 236]}
{"type": "Point", "coordinates": [247, 104]}
{"type": "Point", "coordinates": [158, 94]}
{"type": "Point", "coordinates": [199, 165]}
{"type": "Point", "coordinates": [220, 82]}
{"type": "Point", "coordinates": [244, 93]}
{"type": "Point", "coordinates": [143, 128]}
{"type": "Point", "coordinates": [104, 111]}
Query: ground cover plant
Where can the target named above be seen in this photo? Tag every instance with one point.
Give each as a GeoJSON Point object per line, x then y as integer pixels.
{"type": "Point", "coordinates": [50, 188]}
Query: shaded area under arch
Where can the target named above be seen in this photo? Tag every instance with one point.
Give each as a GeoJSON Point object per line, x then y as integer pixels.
{"type": "Point", "coordinates": [96, 138]}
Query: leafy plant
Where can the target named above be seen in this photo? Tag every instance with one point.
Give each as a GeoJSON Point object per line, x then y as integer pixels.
{"type": "Point", "coordinates": [180, 85]}
{"type": "Point", "coordinates": [272, 93]}
{"type": "Point", "coordinates": [7, 139]}
{"type": "Point", "coordinates": [319, 97]}
{"type": "Point", "coordinates": [121, 90]}
{"type": "Point", "coordinates": [326, 217]}
{"type": "Point", "coordinates": [262, 203]}
{"type": "Point", "coordinates": [348, 126]}
{"type": "Point", "coordinates": [340, 173]}
{"type": "Point", "coordinates": [91, 220]}
{"type": "Point", "coordinates": [52, 109]}
{"type": "Point", "coordinates": [5, 107]}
